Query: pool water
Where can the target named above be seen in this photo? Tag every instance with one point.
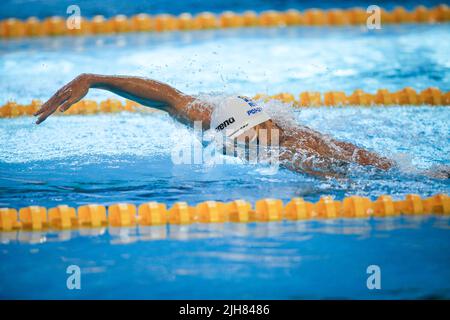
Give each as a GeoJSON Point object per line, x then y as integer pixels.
{"type": "Point", "coordinates": [303, 260]}
{"type": "Point", "coordinates": [127, 158]}
{"type": "Point", "coordinates": [245, 61]}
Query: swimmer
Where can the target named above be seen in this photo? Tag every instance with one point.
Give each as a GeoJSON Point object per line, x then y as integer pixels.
{"type": "Point", "coordinates": [302, 149]}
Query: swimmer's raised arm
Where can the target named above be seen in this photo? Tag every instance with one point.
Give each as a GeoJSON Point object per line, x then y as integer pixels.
{"type": "Point", "coordinates": [147, 92]}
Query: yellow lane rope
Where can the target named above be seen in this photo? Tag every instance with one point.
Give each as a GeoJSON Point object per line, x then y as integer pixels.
{"type": "Point", "coordinates": [405, 96]}
{"type": "Point", "coordinates": [38, 218]}
{"type": "Point", "coordinates": [56, 26]}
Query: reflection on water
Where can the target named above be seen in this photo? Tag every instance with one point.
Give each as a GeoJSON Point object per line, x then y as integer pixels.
{"type": "Point", "coordinates": [288, 230]}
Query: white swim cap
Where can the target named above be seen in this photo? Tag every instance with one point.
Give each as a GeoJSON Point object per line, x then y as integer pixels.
{"type": "Point", "coordinates": [235, 115]}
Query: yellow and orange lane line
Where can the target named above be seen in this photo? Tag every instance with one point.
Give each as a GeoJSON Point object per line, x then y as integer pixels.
{"type": "Point", "coordinates": [56, 26]}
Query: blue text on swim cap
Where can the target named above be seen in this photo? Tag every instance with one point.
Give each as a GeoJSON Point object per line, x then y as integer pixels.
{"type": "Point", "coordinates": [254, 110]}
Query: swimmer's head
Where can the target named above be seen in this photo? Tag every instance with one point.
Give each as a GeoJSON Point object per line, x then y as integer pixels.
{"type": "Point", "coordinates": [235, 117]}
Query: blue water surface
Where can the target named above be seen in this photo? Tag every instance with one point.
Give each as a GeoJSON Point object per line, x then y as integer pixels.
{"type": "Point", "coordinates": [289, 260]}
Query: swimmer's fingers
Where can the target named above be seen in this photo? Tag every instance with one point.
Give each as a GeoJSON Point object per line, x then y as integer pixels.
{"type": "Point", "coordinates": [66, 104]}
{"type": "Point", "coordinates": [58, 98]}
{"type": "Point", "coordinates": [45, 115]}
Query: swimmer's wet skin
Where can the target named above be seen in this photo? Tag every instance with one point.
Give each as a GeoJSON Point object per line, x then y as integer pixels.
{"type": "Point", "coordinates": [301, 149]}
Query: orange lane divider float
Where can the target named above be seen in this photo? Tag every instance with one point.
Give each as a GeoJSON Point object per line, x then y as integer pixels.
{"type": "Point", "coordinates": [36, 218]}
{"type": "Point", "coordinates": [56, 26]}
{"type": "Point", "coordinates": [405, 96]}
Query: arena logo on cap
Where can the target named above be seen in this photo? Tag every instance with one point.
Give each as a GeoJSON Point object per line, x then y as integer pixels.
{"type": "Point", "coordinates": [224, 124]}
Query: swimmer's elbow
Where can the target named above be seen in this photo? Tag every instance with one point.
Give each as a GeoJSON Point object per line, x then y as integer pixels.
{"type": "Point", "coordinates": [384, 164]}
{"type": "Point", "coordinates": [367, 158]}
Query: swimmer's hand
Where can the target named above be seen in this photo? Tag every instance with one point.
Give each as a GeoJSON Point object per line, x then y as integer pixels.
{"type": "Point", "coordinates": [65, 97]}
